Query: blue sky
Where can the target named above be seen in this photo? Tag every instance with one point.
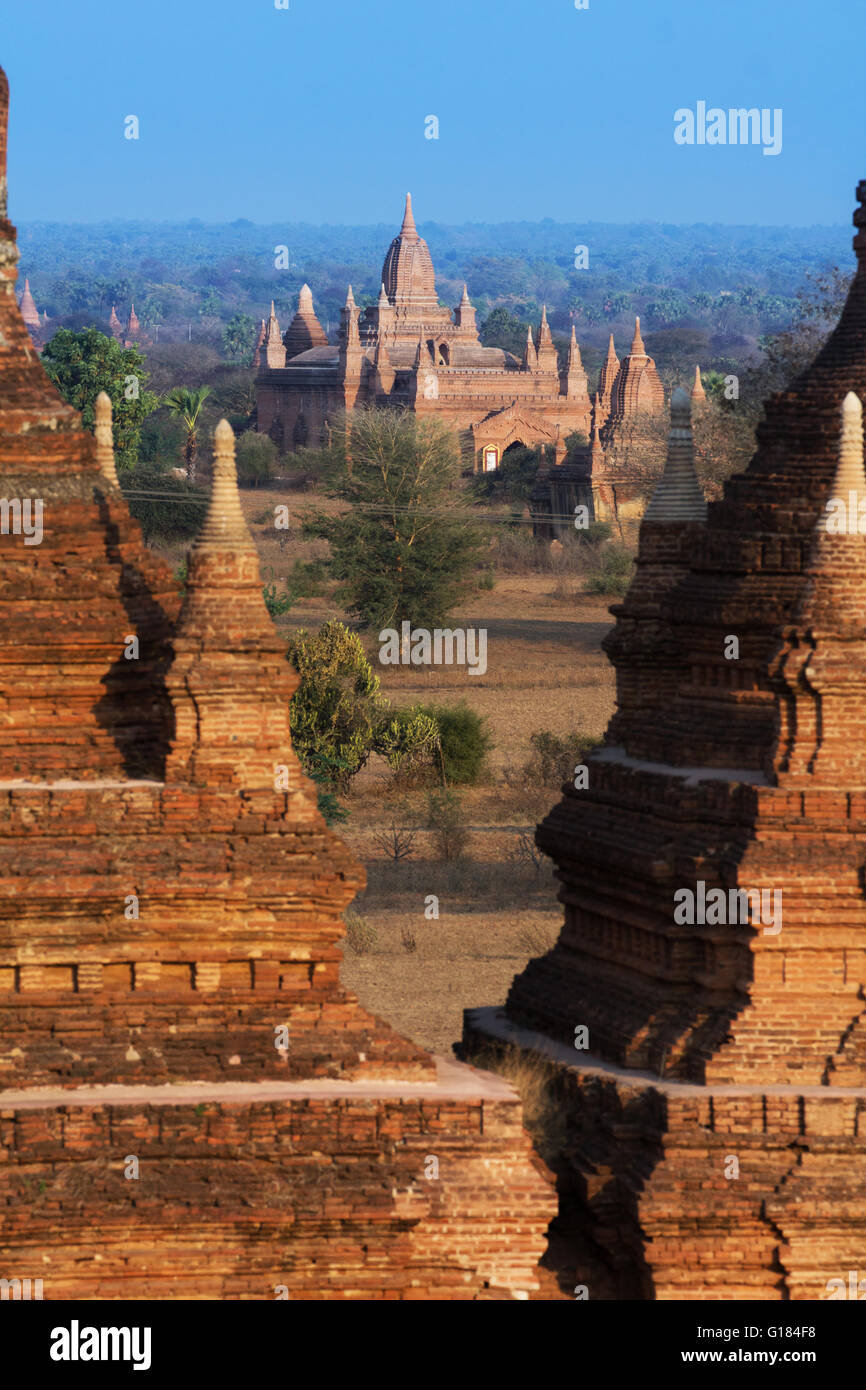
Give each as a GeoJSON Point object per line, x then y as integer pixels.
{"type": "Point", "coordinates": [317, 113]}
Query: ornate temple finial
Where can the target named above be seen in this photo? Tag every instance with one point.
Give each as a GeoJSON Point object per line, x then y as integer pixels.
{"type": "Point", "coordinates": [698, 392]}
{"type": "Point", "coordinates": [637, 347]}
{"type": "Point", "coordinates": [29, 312]}
{"type": "Point", "coordinates": [530, 357]}
{"type": "Point", "coordinates": [574, 362]}
{"type": "Point", "coordinates": [384, 302]}
{"type": "Point", "coordinates": [104, 438]}
{"type": "Point", "coordinates": [464, 298]}
{"type": "Point", "coordinates": [305, 300]}
{"type": "Point", "coordinates": [350, 299]}
{"type": "Point", "coordinates": [611, 351]}
{"type": "Point", "coordinates": [408, 228]}
{"type": "Point", "coordinates": [225, 527]}
{"type": "Point", "coordinates": [678, 495]}
{"type": "Point", "coordinates": [849, 483]}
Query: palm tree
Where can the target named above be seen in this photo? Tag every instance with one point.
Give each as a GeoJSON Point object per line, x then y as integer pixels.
{"type": "Point", "coordinates": [186, 406]}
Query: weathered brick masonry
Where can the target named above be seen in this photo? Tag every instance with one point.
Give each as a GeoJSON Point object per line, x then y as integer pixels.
{"type": "Point", "coordinates": [740, 770]}
{"type": "Point", "coordinates": [170, 904]}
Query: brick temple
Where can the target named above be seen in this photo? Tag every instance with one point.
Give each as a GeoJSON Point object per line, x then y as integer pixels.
{"type": "Point", "coordinates": [191, 1105]}
{"type": "Point", "coordinates": [705, 1003]}
{"type": "Point", "coordinates": [409, 352]}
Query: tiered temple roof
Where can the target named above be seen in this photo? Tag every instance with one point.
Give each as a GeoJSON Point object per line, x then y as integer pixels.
{"type": "Point", "coordinates": [713, 950]}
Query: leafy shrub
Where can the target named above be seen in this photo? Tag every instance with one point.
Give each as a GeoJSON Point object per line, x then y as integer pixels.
{"type": "Point", "coordinates": [339, 714]}
{"type": "Point", "coordinates": [615, 573]}
{"type": "Point", "coordinates": [463, 739]}
{"type": "Point", "coordinates": [324, 770]}
{"type": "Point", "coordinates": [446, 819]}
{"type": "Point", "coordinates": [256, 456]}
{"type": "Point", "coordinates": [409, 739]}
{"type": "Point", "coordinates": [278, 601]}
{"type": "Point", "coordinates": [554, 758]}
{"type": "Point", "coordinates": [337, 707]}
{"type": "Point", "coordinates": [360, 933]}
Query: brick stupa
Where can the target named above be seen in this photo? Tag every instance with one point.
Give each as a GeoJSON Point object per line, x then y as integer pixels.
{"type": "Point", "coordinates": [170, 903]}
{"type": "Point", "coordinates": [717, 1101]}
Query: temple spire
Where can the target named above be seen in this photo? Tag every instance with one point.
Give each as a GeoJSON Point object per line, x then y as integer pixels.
{"type": "Point", "coordinates": [698, 392]}
{"type": "Point", "coordinates": [637, 348]}
{"type": "Point", "coordinates": [29, 312]}
{"type": "Point", "coordinates": [530, 358]}
{"type": "Point", "coordinates": [848, 493]}
{"type": "Point", "coordinates": [104, 438]}
{"type": "Point", "coordinates": [272, 344]}
{"type": "Point", "coordinates": [224, 526]}
{"type": "Point", "coordinates": [408, 230]}
{"type": "Point", "coordinates": [678, 495]}
{"type": "Point", "coordinates": [229, 682]}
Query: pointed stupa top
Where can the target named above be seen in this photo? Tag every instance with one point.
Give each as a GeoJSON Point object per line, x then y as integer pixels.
{"type": "Point", "coordinates": [530, 358]}
{"type": "Point", "coordinates": [257, 352]}
{"type": "Point", "coordinates": [678, 495]}
{"type": "Point", "coordinates": [114, 322]}
{"type": "Point", "coordinates": [304, 331]}
{"type": "Point", "coordinates": [29, 312]}
{"type": "Point", "coordinates": [274, 351]}
{"type": "Point", "coordinates": [574, 359]}
{"type": "Point", "coordinates": [698, 392]}
{"type": "Point", "coordinates": [384, 302]}
{"type": "Point", "coordinates": [606, 378]}
{"type": "Point", "coordinates": [350, 299]}
{"type": "Point", "coordinates": [849, 482]}
{"type": "Point", "coordinates": [229, 681]}
{"type": "Point", "coordinates": [407, 271]}
{"type": "Point", "coordinates": [132, 324]}
{"type": "Point", "coordinates": [637, 348]}
{"type": "Point", "coordinates": [225, 527]}
{"type": "Point", "coordinates": [104, 438]}
{"type": "Point", "coordinates": [408, 230]}
{"type": "Point", "coordinates": [544, 338]}
{"type": "Point", "coordinates": [464, 298]}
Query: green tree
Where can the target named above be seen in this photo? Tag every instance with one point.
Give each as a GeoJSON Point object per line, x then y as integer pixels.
{"type": "Point", "coordinates": [504, 330]}
{"type": "Point", "coordinates": [166, 507]}
{"type": "Point", "coordinates": [186, 405]}
{"type": "Point", "coordinates": [339, 716]}
{"type": "Point", "coordinates": [239, 339]}
{"type": "Point", "coordinates": [81, 364]}
{"type": "Point", "coordinates": [256, 456]}
{"type": "Point", "coordinates": [406, 549]}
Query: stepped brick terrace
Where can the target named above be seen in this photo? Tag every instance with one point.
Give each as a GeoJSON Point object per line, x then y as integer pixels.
{"type": "Point", "coordinates": [733, 770]}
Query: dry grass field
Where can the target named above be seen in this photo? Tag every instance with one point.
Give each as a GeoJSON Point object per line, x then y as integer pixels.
{"type": "Point", "coordinates": [497, 909]}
